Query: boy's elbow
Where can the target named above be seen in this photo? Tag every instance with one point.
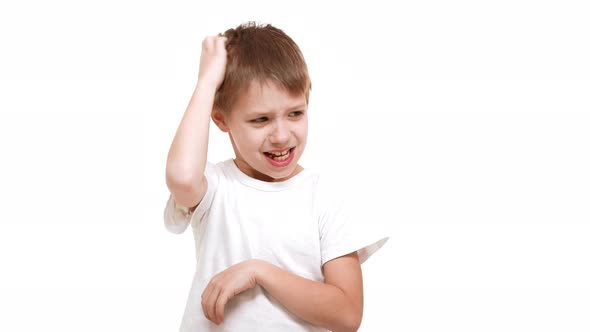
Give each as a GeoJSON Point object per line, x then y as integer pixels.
{"type": "Point", "coordinates": [351, 322]}
{"type": "Point", "coordinates": [177, 179]}
{"type": "Point", "coordinates": [354, 324]}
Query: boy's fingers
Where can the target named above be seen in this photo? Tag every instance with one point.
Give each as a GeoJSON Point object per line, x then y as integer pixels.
{"type": "Point", "coordinates": [208, 301]}
{"type": "Point", "coordinates": [210, 42]}
{"type": "Point", "coordinates": [204, 307]}
{"type": "Point", "coordinates": [211, 304]}
{"type": "Point", "coordinates": [220, 42]}
{"type": "Point", "coordinates": [220, 306]}
{"type": "Point", "coordinates": [203, 299]}
{"type": "Point", "coordinates": [207, 42]}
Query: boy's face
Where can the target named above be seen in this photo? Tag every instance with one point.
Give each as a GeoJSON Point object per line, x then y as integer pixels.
{"type": "Point", "coordinates": [268, 130]}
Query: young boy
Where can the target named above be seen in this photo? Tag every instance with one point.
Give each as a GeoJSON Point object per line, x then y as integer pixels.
{"type": "Point", "coordinates": [276, 249]}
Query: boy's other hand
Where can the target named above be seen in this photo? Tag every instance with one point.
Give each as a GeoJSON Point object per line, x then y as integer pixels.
{"type": "Point", "coordinates": [213, 61]}
{"type": "Point", "coordinates": [224, 286]}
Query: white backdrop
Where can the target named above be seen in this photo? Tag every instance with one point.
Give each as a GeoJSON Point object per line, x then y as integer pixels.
{"type": "Point", "coordinates": [466, 121]}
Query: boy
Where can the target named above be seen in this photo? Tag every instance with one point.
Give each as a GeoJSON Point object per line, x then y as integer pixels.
{"type": "Point", "coordinates": [276, 250]}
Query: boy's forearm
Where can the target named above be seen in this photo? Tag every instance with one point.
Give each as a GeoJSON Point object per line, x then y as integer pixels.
{"type": "Point", "coordinates": [187, 156]}
{"type": "Point", "coordinates": [316, 302]}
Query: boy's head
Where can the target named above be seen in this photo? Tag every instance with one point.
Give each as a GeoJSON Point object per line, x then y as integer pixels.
{"type": "Point", "coordinates": [262, 102]}
{"type": "Point", "coordinates": [260, 53]}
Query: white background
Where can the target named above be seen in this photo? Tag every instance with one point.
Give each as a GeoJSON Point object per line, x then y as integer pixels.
{"type": "Point", "coordinates": [464, 124]}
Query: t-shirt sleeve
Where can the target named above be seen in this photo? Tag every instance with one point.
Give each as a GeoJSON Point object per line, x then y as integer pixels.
{"type": "Point", "coordinates": [344, 229]}
{"type": "Point", "coordinates": [176, 220]}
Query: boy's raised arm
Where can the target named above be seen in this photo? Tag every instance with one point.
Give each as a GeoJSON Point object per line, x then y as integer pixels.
{"type": "Point", "coordinates": [187, 156]}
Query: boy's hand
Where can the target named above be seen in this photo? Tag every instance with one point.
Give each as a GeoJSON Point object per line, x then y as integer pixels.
{"type": "Point", "coordinates": [213, 61]}
{"type": "Point", "coordinates": [224, 286]}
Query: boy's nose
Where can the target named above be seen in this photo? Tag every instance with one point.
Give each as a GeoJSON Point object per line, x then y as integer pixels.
{"type": "Point", "coordinates": [279, 134]}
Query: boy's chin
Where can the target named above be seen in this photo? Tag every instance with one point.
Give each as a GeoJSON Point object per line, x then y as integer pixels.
{"type": "Point", "coordinates": [280, 175]}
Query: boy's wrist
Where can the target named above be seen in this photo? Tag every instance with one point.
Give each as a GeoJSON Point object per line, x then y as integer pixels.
{"type": "Point", "coordinates": [258, 270]}
{"type": "Point", "coordinates": [206, 87]}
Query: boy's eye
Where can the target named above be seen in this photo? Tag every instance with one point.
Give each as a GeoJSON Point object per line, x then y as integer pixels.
{"type": "Point", "coordinates": [296, 113]}
{"type": "Point", "coordinates": [260, 120]}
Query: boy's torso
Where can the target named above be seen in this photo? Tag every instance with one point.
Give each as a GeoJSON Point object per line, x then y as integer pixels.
{"type": "Point", "coordinates": [242, 222]}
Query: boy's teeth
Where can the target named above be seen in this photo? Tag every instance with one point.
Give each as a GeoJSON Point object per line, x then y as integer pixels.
{"type": "Point", "coordinates": [280, 155]}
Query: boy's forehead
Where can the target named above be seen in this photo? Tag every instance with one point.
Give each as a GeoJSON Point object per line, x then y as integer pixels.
{"type": "Point", "coordinates": [267, 97]}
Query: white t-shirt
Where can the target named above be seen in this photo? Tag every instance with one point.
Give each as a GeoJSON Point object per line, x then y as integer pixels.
{"type": "Point", "coordinates": [297, 225]}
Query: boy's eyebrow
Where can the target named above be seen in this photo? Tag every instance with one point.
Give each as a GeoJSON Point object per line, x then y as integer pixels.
{"type": "Point", "coordinates": [259, 113]}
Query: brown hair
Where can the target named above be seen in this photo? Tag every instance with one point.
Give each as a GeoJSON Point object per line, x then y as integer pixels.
{"type": "Point", "coordinates": [261, 53]}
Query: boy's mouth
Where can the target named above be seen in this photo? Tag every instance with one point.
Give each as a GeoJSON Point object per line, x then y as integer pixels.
{"type": "Point", "coordinates": [280, 156]}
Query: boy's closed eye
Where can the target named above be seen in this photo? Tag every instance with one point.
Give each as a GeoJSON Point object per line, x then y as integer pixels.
{"type": "Point", "coordinates": [296, 114]}
{"type": "Point", "coordinates": [260, 120]}
{"type": "Point", "coordinates": [264, 118]}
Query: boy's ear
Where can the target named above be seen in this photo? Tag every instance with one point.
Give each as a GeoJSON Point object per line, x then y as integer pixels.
{"type": "Point", "coordinates": [220, 120]}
